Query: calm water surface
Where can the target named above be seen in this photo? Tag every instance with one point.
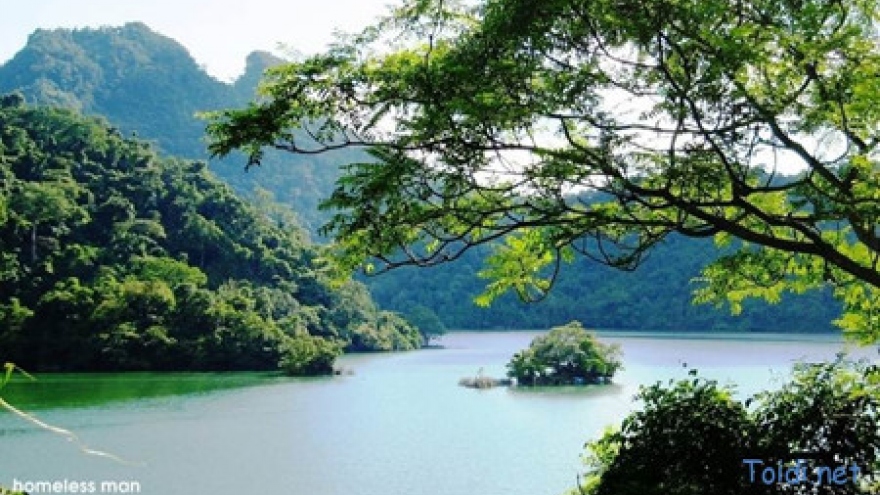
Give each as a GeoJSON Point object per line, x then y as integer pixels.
{"type": "Point", "coordinates": [399, 426]}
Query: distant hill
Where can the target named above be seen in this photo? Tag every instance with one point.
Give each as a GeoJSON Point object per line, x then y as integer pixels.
{"type": "Point", "coordinates": [148, 84]}
{"type": "Point", "coordinates": [141, 81]}
{"type": "Point", "coordinates": [656, 297]}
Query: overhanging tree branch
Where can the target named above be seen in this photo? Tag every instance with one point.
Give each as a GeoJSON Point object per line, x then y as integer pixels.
{"type": "Point", "coordinates": [519, 125]}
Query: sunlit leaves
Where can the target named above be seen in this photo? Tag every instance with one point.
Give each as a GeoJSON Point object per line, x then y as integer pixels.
{"type": "Point", "coordinates": [8, 370]}
{"type": "Point", "coordinates": [172, 272]}
{"type": "Point", "coordinates": [518, 265]}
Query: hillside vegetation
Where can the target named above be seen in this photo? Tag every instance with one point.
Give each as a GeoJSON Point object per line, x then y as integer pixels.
{"type": "Point", "coordinates": [112, 258]}
{"type": "Point", "coordinates": [657, 297]}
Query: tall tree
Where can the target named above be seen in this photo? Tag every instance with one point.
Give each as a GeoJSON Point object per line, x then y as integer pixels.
{"type": "Point", "coordinates": [493, 120]}
{"type": "Point", "coordinates": [44, 205]}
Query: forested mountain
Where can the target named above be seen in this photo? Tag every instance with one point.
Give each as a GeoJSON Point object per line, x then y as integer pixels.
{"type": "Point", "coordinates": [148, 84]}
{"type": "Point", "coordinates": [114, 258]}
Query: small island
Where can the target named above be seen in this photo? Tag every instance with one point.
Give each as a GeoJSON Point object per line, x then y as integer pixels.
{"type": "Point", "coordinates": [567, 355]}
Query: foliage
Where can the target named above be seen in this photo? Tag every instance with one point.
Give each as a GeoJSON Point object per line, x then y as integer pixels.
{"type": "Point", "coordinates": [426, 320]}
{"type": "Point", "coordinates": [375, 335]}
{"type": "Point", "coordinates": [826, 413]}
{"type": "Point", "coordinates": [695, 426]}
{"type": "Point", "coordinates": [829, 410]}
{"type": "Point", "coordinates": [117, 259]}
{"type": "Point", "coordinates": [484, 120]}
{"type": "Point", "coordinates": [566, 355]}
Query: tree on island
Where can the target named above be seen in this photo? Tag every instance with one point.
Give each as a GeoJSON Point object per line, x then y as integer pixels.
{"type": "Point", "coordinates": [566, 355]}
{"type": "Point", "coordinates": [492, 121]}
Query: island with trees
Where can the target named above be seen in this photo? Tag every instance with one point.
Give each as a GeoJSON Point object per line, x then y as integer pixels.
{"type": "Point", "coordinates": [566, 355]}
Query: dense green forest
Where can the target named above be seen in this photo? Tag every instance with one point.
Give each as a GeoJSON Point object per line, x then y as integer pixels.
{"type": "Point", "coordinates": [114, 258]}
{"type": "Point", "coordinates": [148, 84]}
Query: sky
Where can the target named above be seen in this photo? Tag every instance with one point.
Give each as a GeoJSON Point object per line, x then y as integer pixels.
{"type": "Point", "coordinates": [218, 33]}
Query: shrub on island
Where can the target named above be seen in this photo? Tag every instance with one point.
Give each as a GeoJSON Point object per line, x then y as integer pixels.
{"type": "Point", "coordinates": [567, 355]}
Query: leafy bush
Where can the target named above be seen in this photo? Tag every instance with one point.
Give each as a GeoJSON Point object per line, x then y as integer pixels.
{"type": "Point", "coordinates": [692, 437]}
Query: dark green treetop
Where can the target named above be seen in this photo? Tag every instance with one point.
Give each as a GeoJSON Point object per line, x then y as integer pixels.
{"type": "Point", "coordinates": [691, 437]}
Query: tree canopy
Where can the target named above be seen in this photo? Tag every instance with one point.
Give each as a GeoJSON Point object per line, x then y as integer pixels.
{"type": "Point", "coordinates": [147, 84]}
{"type": "Point", "coordinates": [489, 121]}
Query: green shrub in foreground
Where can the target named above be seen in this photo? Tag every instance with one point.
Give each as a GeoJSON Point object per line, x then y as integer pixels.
{"type": "Point", "coordinates": [693, 438]}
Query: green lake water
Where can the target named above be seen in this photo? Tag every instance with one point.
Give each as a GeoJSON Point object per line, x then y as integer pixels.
{"type": "Point", "coordinates": [399, 425]}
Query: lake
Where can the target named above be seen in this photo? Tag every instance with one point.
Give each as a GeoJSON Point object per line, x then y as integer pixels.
{"type": "Point", "coordinates": [400, 425]}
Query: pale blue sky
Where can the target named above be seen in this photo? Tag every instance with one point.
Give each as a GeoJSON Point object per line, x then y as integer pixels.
{"type": "Point", "coordinates": [218, 33]}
